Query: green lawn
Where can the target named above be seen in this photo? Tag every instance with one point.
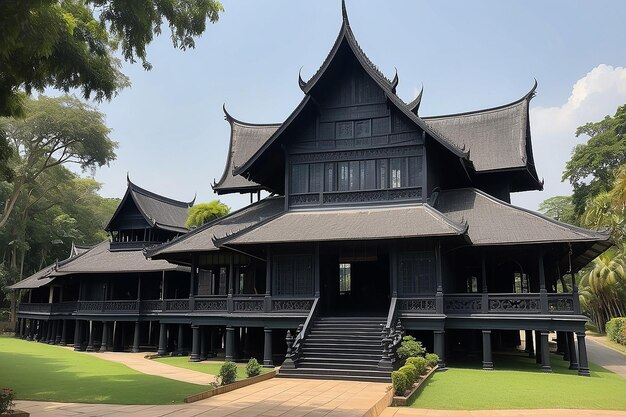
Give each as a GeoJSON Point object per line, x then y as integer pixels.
{"type": "Point", "coordinates": [517, 383]}
{"type": "Point", "coordinates": [51, 373]}
{"type": "Point", "coordinates": [207, 367]}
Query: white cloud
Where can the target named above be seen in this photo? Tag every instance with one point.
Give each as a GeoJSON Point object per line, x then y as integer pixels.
{"type": "Point", "coordinates": [594, 96]}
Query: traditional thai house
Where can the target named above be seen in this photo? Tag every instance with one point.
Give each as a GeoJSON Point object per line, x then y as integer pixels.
{"type": "Point", "coordinates": [379, 222]}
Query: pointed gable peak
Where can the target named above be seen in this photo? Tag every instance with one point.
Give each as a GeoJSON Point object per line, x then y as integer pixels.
{"type": "Point", "coordinates": [346, 35]}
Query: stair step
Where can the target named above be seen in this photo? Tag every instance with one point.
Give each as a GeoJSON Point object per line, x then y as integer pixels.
{"type": "Point", "coordinates": [352, 361]}
{"type": "Point", "coordinates": [307, 364]}
{"type": "Point", "coordinates": [331, 371]}
{"type": "Point", "coordinates": [345, 354]}
{"type": "Point", "coordinates": [380, 379]}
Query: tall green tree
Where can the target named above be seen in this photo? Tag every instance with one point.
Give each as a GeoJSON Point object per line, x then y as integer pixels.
{"type": "Point", "coordinates": [592, 167]}
{"type": "Point", "coordinates": [74, 44]}
{"type": "Point", "coordinates": [205, 212]}
{"type": "Point", "coordinates": [56, 131]}
{"type": "Point", "coordinates": [559, 208]}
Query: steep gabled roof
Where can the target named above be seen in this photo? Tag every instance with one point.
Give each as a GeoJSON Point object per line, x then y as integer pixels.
{"type": "Point", "coordinates": [497, 138]}
{"type": "Point", "coordinates": [202, 238]}
{"type": "Point", "coordinates": [369, 223]}
{"type": "Point", "coordinates": [162, 212]}
{"type": "Point", "coordinates": [38, 279]}
{"type": "Point", "coordinates": [245, 140]}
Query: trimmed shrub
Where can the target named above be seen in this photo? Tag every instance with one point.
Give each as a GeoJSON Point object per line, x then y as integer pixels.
{"type": "Point", "coordinates": [228, 373]}
{"type": "Point", "coordinates": [253, 368]}
{"type": "Point", "coordinates": [419, 363]}
{"type": "Point", "coordinates": [411, 373]}
{"type": "Point", "coordinates": [616, 330]}
{"type": "Point", "coordinates": [409, 347]}
{"type": "Point", "coordinates": [432, 359]}
{"type": "Point", "coordinates": [6, 400]}
{"type": "Point", "coordinates": [400, 382]}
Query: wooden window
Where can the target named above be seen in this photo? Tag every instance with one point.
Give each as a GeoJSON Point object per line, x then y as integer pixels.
{"type": "Point", "coordinates": [204, 282]}
{"type": "Point", "coordinates": [354, 176]}
{"type": "Point", "coordinates": [416, 273]}
{"type": "Point", "coordinates": [472, 284]}
{"type": "Point", "coordinates": [329, 177]}
{"type": "Point", "coordinates": [223, 280]}
{"type": "Point", "coordinates": [315, 178]}
{"type": "Point", "coordinates": [398, 173]}
{"type": "Point", "coordinates": [415, 171]}
{"type": "Point", "coordinates": [345, 284]}
{"type": "Point", "coordinates": [343, 177]}
{"type": "Point", "coordinates": [300, 178]}
{"type": "Point", "coordinates": [381, 174]}
{"type": "Point", "coordinates": [293, 275]}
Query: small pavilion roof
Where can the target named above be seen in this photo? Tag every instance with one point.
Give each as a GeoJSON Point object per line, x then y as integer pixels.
{"type": "Point", "coordinates": [202, 238]}
{"type": "Point", "coordinates": [416, 220]}
{"type": "Point", "coordinates": [38, 279]}
{"type": "Point", "coordinates": [245, 140]}
{"type": "Point", "coordinates": [162, 212]}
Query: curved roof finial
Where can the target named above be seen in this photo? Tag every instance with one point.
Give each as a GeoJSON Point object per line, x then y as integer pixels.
{"type": "Point", "coordinates": [415, 104]}
{"type": "Point", "coordinates": [344, 13]}
{"type": "Point", "coordinates": [394, 82]}
{"type": "Point", "coordinates": [128, 181]}
{"type": "Point", "coordinates": [531, 93]}
{"type": "Point", "coordinates": [227, 116]}
{"type": "Point", "coordinates": [192, 202]}
{"type": "Point", "coordinates": [301, 82]}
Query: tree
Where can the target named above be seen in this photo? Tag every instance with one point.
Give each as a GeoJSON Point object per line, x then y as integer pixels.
{"type": "Point", "coordinates": [559, 208]}
{"type": "Point", "coordinates": [205, 212]}
{"type": "Point", "coordinates": [55, 131]}
{"type": "Point", "coordinates": [593, 165]}
{"type": "Point", "coordinates": [72, 44]}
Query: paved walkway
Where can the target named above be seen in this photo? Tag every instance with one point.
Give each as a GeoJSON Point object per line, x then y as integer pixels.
{"type": "Point", "coordinates": [606, 357]}
{"type": "Point", "coordinates": [275, 397]}
{"type": "Point", "coordinates": [416, 412]}
{"type": "Point", "coordinates": [138, 362]}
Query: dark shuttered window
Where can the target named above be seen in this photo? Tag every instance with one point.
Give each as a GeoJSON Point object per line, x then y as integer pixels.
{"type": "Point", "coordinates": [416, 273]}
{"type": "Point", "coordinates": [293, 275]}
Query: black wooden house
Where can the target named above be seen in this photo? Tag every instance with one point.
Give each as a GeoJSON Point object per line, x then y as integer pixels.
{"type": "Point", "coordinates": [377, 219]}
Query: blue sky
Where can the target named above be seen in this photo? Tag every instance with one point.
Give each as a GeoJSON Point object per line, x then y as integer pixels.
{"type": "Point", "coordinates": [173, 138]}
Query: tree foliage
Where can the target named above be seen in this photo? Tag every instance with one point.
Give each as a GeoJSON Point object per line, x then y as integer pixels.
{"type": "Point", "coordinates": [559, 208]}
{"type": "Point", "coordinates": [593, 165]}
{"type": "Point", "coordinates": [74, 44]}
{"type": "Point", "coordinates": [205, 212]}
{"type": "Point", "coordinates": [54, 132]}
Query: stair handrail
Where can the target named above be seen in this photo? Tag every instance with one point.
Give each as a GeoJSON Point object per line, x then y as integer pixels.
{"type": "Point", "coordinates": [392, 313]}
{"type": "Point", "coordinates": [303, 330]}
{"type": "Point", "coordinates": [389, 339]}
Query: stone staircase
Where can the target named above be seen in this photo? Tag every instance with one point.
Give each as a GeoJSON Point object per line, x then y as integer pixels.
{"type": "Point", "coordinates": [341, 348]}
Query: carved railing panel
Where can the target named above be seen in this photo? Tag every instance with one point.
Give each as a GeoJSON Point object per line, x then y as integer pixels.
{"type": "Point", "coordinates": [210, 304]}
{"type": "Point", "coordinates": [90, 306]}
{"type": "Point", "coordinates": [151, 305]}
{"type": "Point", "coordinates": [462, 303]}
{"type": "Point", "coordinates": [120, 305]}
{"type": "Point", "coordinates": [560, 303]}
{"type": "Point", "coordinates": [249, 305]}
{"type": "Point", "coordinates": [64, 307]}
{"type": "Point", "coordinates": [288, 305]}
{"type": "Point", "coordinates": [35, 308]}
{"type": "Point", "coordinates": [177, 305]}
{"type": "Point", "coordinates": [514, 303]}
{"type": "Point", "coordinates": [417, 305]}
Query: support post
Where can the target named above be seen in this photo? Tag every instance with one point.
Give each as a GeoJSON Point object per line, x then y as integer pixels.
{"type": "Point", "coordinates": [538, 351]}
{"type": "Point", "coordinates": [31, 330]}
{"type": "Point", "coordinates": [231, 283]}
{"type": "Point", "coordinates": [545, 352]}
{"type": "Point", "coordinates": [162, 351]}
{"type": "Point", "coordinates": [438, 275]}
{"type": "Point", "coordinates": [573, 356]}
{"type": "Point", "coordinates": [77, 335]}
{"type": "Point", "coordinates": [487, 356]}
{"type": "Point", "coordinates": [440, 350]}
{"type": "Point", "coordinates": [268, 280]}
{"type": "Point", "coordinates": [230, 344]}
{"type": "Point", "coordinates": [203, 343]}
{"type": "Point", "coordinates": [63, 341]}
{"type": "Point", "coordinates": [90, 347]}
{"type": "Point", "coordinates": [267, 349]}
{"type": "Point", "coordinates": [484, 304]}
{"type": "Point", "coordinates": [195, 343]}
{"type": "Point", "coordinates": [543, 292]}
{"type": "Point", "coordinates": [49, 334]}
{"type": "Point", "coordinates": [529, 348]}
{"type": "Point", "coordinates": [57, 337]}
{"type": "Point", "coordinates": [180, 341]}
{"type": "Point", "coordinates": [135, 348]}
{"type": "Point", "coordinates": [105, 336]}
{"type": "Point", "coordinates": [583, 364]}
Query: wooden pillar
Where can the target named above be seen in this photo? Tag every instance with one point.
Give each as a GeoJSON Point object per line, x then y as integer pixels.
{"type": "Point", "coordinates": [230, 343]}
{"type": "Point", "coordinates": [77, 334]}
{"type": "Point", "coordinates": [31, 330]}
{"type": "Point", "coordinates": [57, 337]}
{"type": "Point", "coordinates": [195, 343]}
{"type": "Point", "coordinates": [484, 305]}
{"type": "Point", "coordinates": [162, 351]}
{"type": "Point", "coordinates": [231, 283]}
{"type": "Point", "coordinates": [583, 364]}
{"type": "Point", "coordinates": [268, 280]}
{"type": "Point", "coordinates": [440, 348]}
{"type": "Point", "coordinates": [203, 343]}
{"type": "Point", "coordinates": [487, 355]}
{"type": "Point", "coordinates": [49, 334]}
{"type": "Point", "coordinates": [267, 349]}
{"type": "Point", "coordinates": [573, 356]}
{"type": "Point", "coordinates": [90, 329]}
{"type": "Point", "coordinates": [105, 336]}
{"type": "Point", "coordinates": [63, 341]}
{"type": "Point", "coordinates": [180, 341]}
{"type": "Point", "coordinates": [136, 337]}
{"type": "Point", "coordinates": [439, 278]}
{"type": "Point", "coordinates": [545, 352]}
{"type": "Point", "coordinates": [537, 347]}
{"type": "Point", "coordinates": [529, 348]}
{"type": "Point", "coordinates": [543, 292]}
